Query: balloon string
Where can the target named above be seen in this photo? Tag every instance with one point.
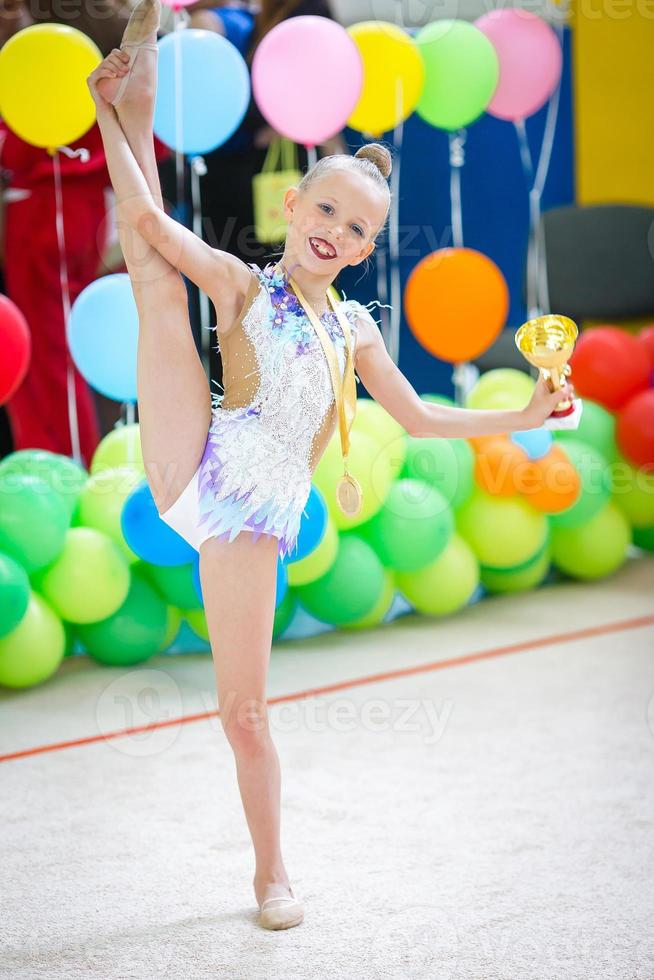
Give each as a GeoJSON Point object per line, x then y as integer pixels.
{"type": "Point", "coordinates": [80, 152]}
{"type": "Point", "coordinates": [537, 284]}
{"type": "Point", "coordinates": [71, 393]}
{"type": "Point", "coordinates": [179, 18]}
{"type": "Point", "coordinates": [394, 231]}
{"type": "Point", "coordinates": [457, 160]}
{"type": "Point", "coordinates": [199, 169]}
{"type": "Point", "coordinates": [312, 156]}
{"type": "Point", "coordinates": [461, 373]}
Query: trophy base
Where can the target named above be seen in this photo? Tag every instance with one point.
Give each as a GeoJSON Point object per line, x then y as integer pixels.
{"type": "Point", "coordinates": [570, 420]}
{"type": "Point", "coordinates": [561, 413]}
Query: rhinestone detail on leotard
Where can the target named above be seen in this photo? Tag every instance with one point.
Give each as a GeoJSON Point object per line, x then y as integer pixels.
{"type": "Point", "coordinates": [257, 465]}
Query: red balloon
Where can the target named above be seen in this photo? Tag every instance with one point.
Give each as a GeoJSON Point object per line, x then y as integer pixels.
{"type": "Point", "coordinates": [15, 348]}
{"type": "Point", "coordinates": [646, 337]}
{"type": "Point", "coordinates": [610, 366]}
{"type": "Point", "coordinates": [634, 431]}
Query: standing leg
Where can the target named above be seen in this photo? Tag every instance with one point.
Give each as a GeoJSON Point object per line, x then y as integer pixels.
{"type": "Point", "coordinates": [238, 584]}
{"type": "Point", "coordinates": [173, 391]}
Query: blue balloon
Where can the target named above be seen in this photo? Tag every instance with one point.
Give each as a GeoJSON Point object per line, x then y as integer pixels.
{"type": "Point", "coordinates": [282, 583]}
{"type": "Point", "coordinates": [147, 535]}
{"type": "Point", "coordinates": [197, 584]}
{"type": "Point", "coordinates": [312, 526]}
{"type": "Point", "coordinates": [102, 334]}
{"type": "Point", "coordinates": [535, 442]}
{"type": "Point", "coordinates": [213, 94]}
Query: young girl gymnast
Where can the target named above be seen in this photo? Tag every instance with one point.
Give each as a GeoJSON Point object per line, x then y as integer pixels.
{"type": "Point", "coordinates": [233, 477]}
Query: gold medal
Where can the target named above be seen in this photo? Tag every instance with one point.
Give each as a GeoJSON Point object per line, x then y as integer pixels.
{"type": "Point", "coordinates": [349, 495]}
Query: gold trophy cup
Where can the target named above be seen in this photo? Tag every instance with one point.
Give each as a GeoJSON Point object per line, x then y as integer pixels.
{"type": "Point", "coordinates": [547, 342]}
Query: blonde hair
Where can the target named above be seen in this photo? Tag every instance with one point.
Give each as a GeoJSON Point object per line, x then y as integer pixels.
{"type": "Point", "coordinates": [373, 160]}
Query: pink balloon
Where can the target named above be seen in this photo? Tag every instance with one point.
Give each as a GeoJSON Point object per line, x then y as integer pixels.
{"type": "Point", "coordinates": [177, 4]}
{"type": "Point", "coordinates": [530, 59]}
{"type": "Point", "coordinates": [307, 76]}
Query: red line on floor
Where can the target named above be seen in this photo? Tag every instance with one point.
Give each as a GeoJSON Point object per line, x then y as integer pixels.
{"type": "Point", "coordinates": [466, 658]}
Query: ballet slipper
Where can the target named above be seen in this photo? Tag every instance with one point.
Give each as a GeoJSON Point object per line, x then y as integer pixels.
{"type": "Point", "coordinates": [143, 21]}
{"type": "Point", "coordinates": [281, 912]}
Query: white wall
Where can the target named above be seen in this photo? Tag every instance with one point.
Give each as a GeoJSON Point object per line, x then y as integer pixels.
{"type": "Point", "coordinates": [415, 13]}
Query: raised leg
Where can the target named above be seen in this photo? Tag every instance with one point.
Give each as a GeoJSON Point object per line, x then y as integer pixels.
{"type": "Point", "coordinates": [173, 391]}
{"type": "Point", "coordinates": [238, 584]}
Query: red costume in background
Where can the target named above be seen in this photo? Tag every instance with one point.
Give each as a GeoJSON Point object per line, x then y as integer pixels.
{"type": "Point", "coordinates": [38, 411]}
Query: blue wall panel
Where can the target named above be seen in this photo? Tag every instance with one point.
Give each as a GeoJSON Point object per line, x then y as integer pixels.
{"type": "Point", "coordinates": [494, 203]}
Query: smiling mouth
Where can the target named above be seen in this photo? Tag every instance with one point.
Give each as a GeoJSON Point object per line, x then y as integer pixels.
{"type": "Point", "coordinates": [322, 248]}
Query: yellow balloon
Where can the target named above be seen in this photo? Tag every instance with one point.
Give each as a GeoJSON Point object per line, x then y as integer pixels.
{"type": "Point", "coordinates": [393, 76]}
{"type": "Point", "coordinates": [371, 466]}
{"type": "Point", "coordinates": [43, 92]}
{"type": "Point", "coordinates": [318, 562]}
{"type": "Point", "coordinates": [373, 420]}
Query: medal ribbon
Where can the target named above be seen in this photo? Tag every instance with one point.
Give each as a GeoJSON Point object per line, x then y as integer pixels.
{"type": "Point", "coordinates": [345, 390]}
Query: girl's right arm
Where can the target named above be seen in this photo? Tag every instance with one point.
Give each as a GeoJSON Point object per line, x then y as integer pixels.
{"type": "Point", "coordinates": [223, 277]}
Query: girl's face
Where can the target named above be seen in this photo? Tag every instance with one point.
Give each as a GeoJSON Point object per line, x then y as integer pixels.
{"type": "Point", "coordinates": [333, 222]}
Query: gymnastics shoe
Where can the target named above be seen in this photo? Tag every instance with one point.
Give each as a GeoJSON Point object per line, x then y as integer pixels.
{"type": "Point", "coordinates": [281, 912]}
{"type": "Point", "coordinates": [143, 22]}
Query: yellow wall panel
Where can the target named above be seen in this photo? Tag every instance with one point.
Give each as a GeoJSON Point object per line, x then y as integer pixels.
{"type": "Point", "coordinates": [613, 69]}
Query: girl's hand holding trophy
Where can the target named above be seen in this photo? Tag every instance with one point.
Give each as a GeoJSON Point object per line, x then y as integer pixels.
{"type": "Point", "coordinates": [547, 342]}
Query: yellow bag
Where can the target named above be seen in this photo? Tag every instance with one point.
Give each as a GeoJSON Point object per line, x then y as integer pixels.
{"type": "Point", "coordinates": [269, 187]}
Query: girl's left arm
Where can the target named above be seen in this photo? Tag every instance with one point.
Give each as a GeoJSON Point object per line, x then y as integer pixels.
{"type": "Point", "coordinates": [388, 386]}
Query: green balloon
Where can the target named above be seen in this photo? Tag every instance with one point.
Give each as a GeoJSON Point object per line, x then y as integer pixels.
{"type": "Point", "coordinates": [71, 637]}
{"type": "Point", "coordinates": [595, 484]}
{"type": "Point", "coordinates": [502, 531]}
{"type": "Point", "coordinates": [445, 464]}
{"type": "Point", "coordinates": [63, 474]}
{"type": "Point", "coordinates": [197, 620]}
{"type": "Point", "coordinates": [644, 538]}
{"type": "Point", "coordinates": [594, 549]}
{"type": "Point", "coordinates": [379, 610]}
{"type": "Point", "coordinates": [445, 585]}
{"type": "Point", "coordinates": [461, 73]}
{"type": "Point", "coordinates": [14, 594]}
{"type": "Point", "coordinates": [173, 623]}
{"type": "Point", "coordinates": [633, 492]}
{"type": "Point", "coordinates": [350, 589]}
{"type": "Point", "coordinates": [102, 500]}
{"type": "Point", "coordinates": [438, 399]}
{"type": "Point", "coordinates": [412, 528]}
{"type": "Point", "coordinates": [174, 583]}
{"type": "Point", "coordinates": [596, 427]}
{"type": "Point", "coordinates": [33, 650]}
{"type": "Point", "coordinates": [134, 632]}
{"type": "Point", "coordinates": [33, 520]}
{"type": "Point", "coordinates": [89, 580]}
{"type": "Point", "coordinates": [284, 613]}
{"type": "Point", "coordinates": [519, 579]}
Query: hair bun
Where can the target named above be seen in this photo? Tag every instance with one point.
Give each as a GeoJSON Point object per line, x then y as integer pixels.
{"type": "Point", "coordinates": [377, 154]}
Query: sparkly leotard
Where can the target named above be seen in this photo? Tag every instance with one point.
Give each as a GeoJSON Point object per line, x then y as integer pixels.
{"type": "Point", "coordinates": [272, 423]}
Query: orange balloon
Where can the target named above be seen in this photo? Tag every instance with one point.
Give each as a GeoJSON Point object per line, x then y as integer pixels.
{"type": "Point", "coordinates": [500, 466]}
{"type": "Point", "coordinates": [456, 302]}
{"type": "Point", "coordinates": [553, 484]}
{"type": "Point", "coordinates": [479, 442]}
